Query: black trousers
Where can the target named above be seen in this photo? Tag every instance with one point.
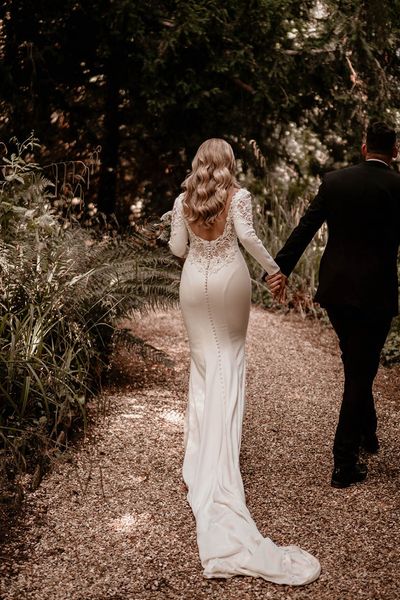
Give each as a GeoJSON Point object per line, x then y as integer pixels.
{"type": "Point", "coordinates": [361, 338]}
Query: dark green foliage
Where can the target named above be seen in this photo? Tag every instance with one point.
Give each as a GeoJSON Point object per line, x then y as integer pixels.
{"type": "Point", "coordinates": [391, 351]}
{"type": "Point", "coordinates": [62, 295]}
{"type": "Point", "coordinates": [150, 81]}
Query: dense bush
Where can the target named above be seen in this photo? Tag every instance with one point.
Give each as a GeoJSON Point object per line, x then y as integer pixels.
{"type": "Point", "coordinates": [278, 220]}
{"type": "Point", "coordinates": [391, 351]}
{"type": "Point", "coordinates": [281, 195]}
{"type": "Point", "coordinates": [62, 294]}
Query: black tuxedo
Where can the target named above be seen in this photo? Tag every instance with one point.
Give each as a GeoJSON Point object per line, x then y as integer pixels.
{"type": "Point", "coordinates": [357, 281]}
{"type": "Point", "coordinates": [361, 206]}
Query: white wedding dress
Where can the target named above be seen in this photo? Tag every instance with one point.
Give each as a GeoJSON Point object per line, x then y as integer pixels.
{"type": "Point", "coordinates": [215, 295]}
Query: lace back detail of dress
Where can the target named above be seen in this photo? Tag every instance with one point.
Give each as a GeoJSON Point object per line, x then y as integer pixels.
{"type": "Point", "coordinates": [211, 256]}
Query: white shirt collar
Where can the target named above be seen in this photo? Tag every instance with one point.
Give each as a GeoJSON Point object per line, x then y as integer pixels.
{"type": "Point", "coordinates": [377, 160]}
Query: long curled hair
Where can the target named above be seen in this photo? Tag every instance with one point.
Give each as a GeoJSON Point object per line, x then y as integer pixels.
{"type": "Point", "coordinates": [207, 186]}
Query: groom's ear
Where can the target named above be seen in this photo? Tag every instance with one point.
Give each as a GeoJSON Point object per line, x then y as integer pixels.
{"type": "Point", "coordinates": [395, 151]}
{"type": "Point", "coordinates": [364, 150]}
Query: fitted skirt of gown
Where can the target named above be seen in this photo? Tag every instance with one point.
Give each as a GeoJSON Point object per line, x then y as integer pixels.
{"type": "Point", "coordinates": [215, 308]}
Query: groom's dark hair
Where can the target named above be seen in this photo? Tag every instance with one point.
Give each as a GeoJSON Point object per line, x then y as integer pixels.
{"type": "Point", "coordinates": [380, 138]}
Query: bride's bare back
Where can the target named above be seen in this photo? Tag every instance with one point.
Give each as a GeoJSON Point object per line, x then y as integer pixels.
{"type": "Point", "coordinates": [218, 227]}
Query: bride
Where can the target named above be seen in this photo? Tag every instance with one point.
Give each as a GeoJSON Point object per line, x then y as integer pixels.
{"type": "Point", "coordinates": [208, 218]}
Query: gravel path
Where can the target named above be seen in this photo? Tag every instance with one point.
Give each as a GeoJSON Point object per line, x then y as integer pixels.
{"type": "Point", "coordinates": [111, 520]}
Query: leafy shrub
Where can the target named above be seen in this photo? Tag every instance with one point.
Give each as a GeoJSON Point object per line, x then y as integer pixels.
{"type": "Point", "coordinates": [277, 211]}
{"type": "Point", "coordinates": [63, 292]}
{"type": "Point", "coordinates": [391, 351]}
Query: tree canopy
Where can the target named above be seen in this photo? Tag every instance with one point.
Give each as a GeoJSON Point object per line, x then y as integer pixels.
{"type": "Point", "coordinates": [150, 81]}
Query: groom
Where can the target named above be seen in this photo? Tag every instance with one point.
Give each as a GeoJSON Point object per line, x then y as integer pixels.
{"type": "Point", "coordinates": [357, 283]}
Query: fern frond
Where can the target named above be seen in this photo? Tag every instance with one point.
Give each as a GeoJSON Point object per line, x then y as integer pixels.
{"type": "Point", "coordinates": [147, 351]}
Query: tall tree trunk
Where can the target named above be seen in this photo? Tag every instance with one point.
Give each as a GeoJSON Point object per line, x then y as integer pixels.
{"type": "Point", "coordinates": [12, 69]}
{"type": "Point", "coordinates": [25, 87]}
{"type": "Point", "coordinates": [107, 196]}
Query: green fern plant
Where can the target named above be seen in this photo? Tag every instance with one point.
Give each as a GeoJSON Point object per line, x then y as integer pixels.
{"type": "Point", "coordinates": [63, 293]}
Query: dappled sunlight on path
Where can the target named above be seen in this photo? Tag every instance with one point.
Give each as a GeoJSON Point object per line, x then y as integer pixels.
{"type": "Point", "coordinates": [112, 522]}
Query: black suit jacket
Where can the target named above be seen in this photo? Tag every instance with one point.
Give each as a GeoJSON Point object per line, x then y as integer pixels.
{"type": "Point", "coordinates": [361, 205]}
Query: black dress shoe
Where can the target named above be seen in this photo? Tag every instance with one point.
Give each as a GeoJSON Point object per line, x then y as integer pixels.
{"type": "Point", "coordinates": [343, 477]}
{"type": "Point", "coordinates": [370, 443]}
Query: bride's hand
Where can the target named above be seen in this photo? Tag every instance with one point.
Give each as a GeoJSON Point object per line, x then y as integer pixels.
{"type": "Point", "coordinates": [277, 285]}
{"type": "Point", "coordinates": [281, 297]}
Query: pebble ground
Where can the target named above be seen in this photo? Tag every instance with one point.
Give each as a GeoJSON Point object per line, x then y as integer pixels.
{"type": "Point", "coordinates": [111, 521]}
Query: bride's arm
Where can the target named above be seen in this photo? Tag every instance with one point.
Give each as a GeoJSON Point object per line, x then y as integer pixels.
{"type": "Point", "coordinates": [178, 241]}
{"type": "Point", "coordinates": [242, 212]}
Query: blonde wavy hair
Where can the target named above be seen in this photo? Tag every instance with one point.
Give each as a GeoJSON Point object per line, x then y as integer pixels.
{"type": "Point", "coordinates": [207, 186]}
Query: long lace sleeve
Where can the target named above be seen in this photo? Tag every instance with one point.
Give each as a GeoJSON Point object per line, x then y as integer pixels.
{"type": "Point", "coordinates": [242, 212]}
{"type": "Point", "coordinates": [178, 241]}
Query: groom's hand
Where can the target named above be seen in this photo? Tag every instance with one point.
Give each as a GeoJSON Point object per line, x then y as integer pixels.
{"type": "Point", "coordinates": [277, 285]}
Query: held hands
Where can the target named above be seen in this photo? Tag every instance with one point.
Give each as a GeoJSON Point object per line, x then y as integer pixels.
{"type": "Point", "coordinates": [277, 285]}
